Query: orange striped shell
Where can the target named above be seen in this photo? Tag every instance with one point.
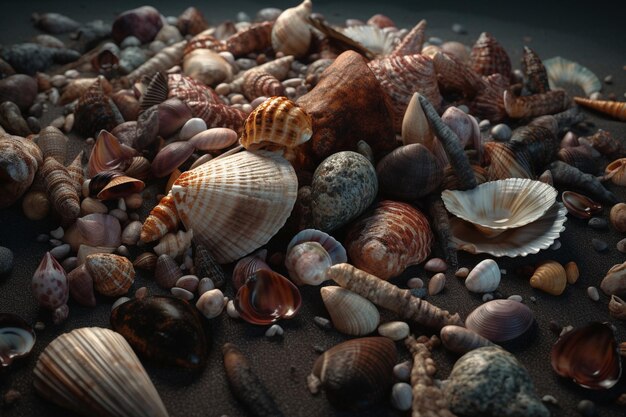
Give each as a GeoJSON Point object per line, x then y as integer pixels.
{"type": "Point", "coordinates": [614, 109]}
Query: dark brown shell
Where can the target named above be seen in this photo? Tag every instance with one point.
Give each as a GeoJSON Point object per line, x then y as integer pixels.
{"type": "Point", "coordinates": [489, 103]}
{"type": "Point", "coordinates": [207, 266]}
{"type": "Point", "coordinates": [579, 157]}
{"type": "Point", "coordinates": [456, 76]}
{"type": "Point", "coordinates": [167, 330]}
{"type": "Point", "coordinates": [247, 266]}
{"type": "Point", "coordinates": [12, 121]}
{"type": "Point", "coordinates": [604, 142]}
{"type": "Point", "coordinates": [579, 205]}
{"type": "Point", "coordinates": [143, 23]}
{"type": "Point", "coordinates": [489, 57]}
{"type": "Point", "coordinates": [536, 77]}
{"type": "Point", "coordinates": [20, 89]}
{"type": "Point", "coordinates": [166, 272]}
{"type": "Point", "coordinates": [95, 111]}
{"type": "Point", "coordinates": [191, 22]}
{"type": "Point", "coordinates": [256, 38]}
{"type": "Point", "coordinates": [357, 373]}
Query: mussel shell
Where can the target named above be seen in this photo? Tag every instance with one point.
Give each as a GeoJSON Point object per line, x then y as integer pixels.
{"type": "Point", "coordinates": [500, 320]}
{"type": "Point", "coordinates": [589, 355]}
{"type": "Point", "coordinates": [17, 338]}
{"type": "Point", "coordinates": [579, 205]}
{"type": "Point", "coordinates": [164, 329]}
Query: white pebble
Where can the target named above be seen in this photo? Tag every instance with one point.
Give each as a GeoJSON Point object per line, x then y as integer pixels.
{"type": "Point", "coordinates": [608, 79]}
{"type": "Point", "coordinates": [394, 330]}
{"type": "Point", "coordinates": [72, 73]}
{"type": "Point", "coordinates": [435, 265]}
{"type": "Point", "coordinates": [69, 123]}
{"type": "Point", "coordinates": [228, 56]}
{"type": "Point", "coordinates": [435, 41]}
{"type": "Point", "coordinates": [592, 292]}
{"type": "Point", "coordinates": [130, 41]}
{"type": "Point", "coordinates": [274, 330]}
{"type": "Point", "coordinates": [121, 204]}
{"type": "Point", "coordinates": [459, 28]}
{"type": "Point", "coordinates": [246, 108]}
{"type": "Point", "coordinates": [415, 283]}
{"type": "Point", "coordinates": [54, 96]}
{"type": "Point", "coordinates": [39, 326]}
{"type": "Point", "coordinates": [436, 283]}
{"type": "Point", "coordinates": [258, 101]}
{"type": "Point", "coordinates": [119, 302]}
{"type": "Point", "coordinates": [487, 297]}
{"type": "Point", "coordinates": [58, 122]}
{"type": "Point", "coordinates": [61, 251]}
{"type": "Point", "coordinates": [243, 17]}
{"type": "Point", "coordinates": [191, 128]}
{"type": "Point", "coordinates": [516, 297]}
{"type": "Point", "coordinates": [205, 285]}
{"type": "Point", "coordinates": [231, 310]}
{"type": "Point", "coordinates": [211, 303]}
{"type": "Point", "coordinates": [292, 82]}
{"type": "Point", "coordinates": [401, 396]}
{"type": "Point", "coordinates": [402, 371]}
{"type": "Point", "coordinates": [238, 99]}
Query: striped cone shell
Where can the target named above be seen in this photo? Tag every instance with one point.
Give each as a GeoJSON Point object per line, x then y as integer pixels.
{"type": "Point", "coordinates": [77, 174]}
{"type": "Point", "coordinates": [112, 274]}
{"type": "Point", "coordinates": [52, 142]}
{"type": "Point", "coordinates": [535, 105]}
{"type": "Point", "coordinates": [163, 218]}
{"type": "Point", "coordinates": [205, 41]}
{"type": "Point", "coordinates": [489, 57]}
{"type": "Point", "coordinates": [394, 237]}
{"type": "Point", "coordinates": [276, 123]}
{"type": "Point", "coordinates": [237, 203]}
{"type": "Point", "coordinates": [413, 42]}
{"type": "Point", "coordinates": [261, 83]}
{"type": "Point", "coordinates": [60, 189]}
{"type": "Point", "coordinates": [534, 72]}
{"type": "Point", "coordinates": [614, 109]}
{"type": "Point", "coordinates": [256, 38]}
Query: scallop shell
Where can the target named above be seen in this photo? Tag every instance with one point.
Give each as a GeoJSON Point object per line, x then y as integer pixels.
{"type": "Point", "coordinates": [276, 123]}
{"type": "Point", "coordinates": [291, 34]}
{"type": "Point", "coordinates": [112, 274]}
{"type": "Point", "coordinates": [237, 203]}
{"type": "Point", "coordinates": [17, 339]}
{"type": "Point", "coordinates": [307, 263]}
{"type": "Point", "coordinates": [562, 71]}
{"type": "Point", "coordinates": [393, 238]}
{"type": "Point", "coordinates": [550, 277]}
{"type": "Point", "coordinates": [19, 161]}
{"type": "Point", "coordinates": [489, 57]}
{"type": "Point", "coordinates": [500, 320]}
{"type": "Point", "coordinates": [355, 374]}
{"type": "Point", "coordinates": [484, 277]}
{"type": "Point", "coordinates": [334, 248]}
{"type": "Point", "coordinates": [93, 371]}
{"type": "Point", "coordinates": [257, 83]}
{"type": "Point", "coordinates": [589, 355]}
{"type": "Point", "coordinates": [614, 109]}
{"type": "Point", "coordinates": [256, 38]}
{"type": "Point", "coordinates": [461, 340]}
{"type": "Point", "coordinates": [350, 313]}
{"type": "Point", "coordinates": [377, 40]}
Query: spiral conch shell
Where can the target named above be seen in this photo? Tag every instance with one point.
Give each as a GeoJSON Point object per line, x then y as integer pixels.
{"type": "Point", "coordinates": [291, 34]}
{"type": "Point", "coordinates": [19, 161]}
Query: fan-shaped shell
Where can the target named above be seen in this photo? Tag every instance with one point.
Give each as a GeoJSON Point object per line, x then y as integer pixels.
{"type": "Point", "coordinates": [237, 203]}
{"type": "Point", "coordinates": [394, 237]}
{"type": "Point", "coordinates": [496, 206]}
{"type": "Point", "coordinates": [500, 320]}
{"type": "Point", "coordinates": [563, 71]}
{"type": "Point", "coordinates": [291, 33]}
{"type": "Point", "coordinates": [350, 313]}
{"type": "Point", "coordinates": [550, 277]}
{"type": "Point", "coordinates": [377, 40]}
{"type": "Point", "coordinates": [93, 371]}
{"type": "Point", "coordinates": [112, 274]}
{"type": "Point", "coordinates": [485, 277]}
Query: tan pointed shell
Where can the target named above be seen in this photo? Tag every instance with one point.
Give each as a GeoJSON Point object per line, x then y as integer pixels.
{"type": "Point", "coordinates": [350, 313]}
{"type": "Point", "coordinates": [291, 34]}
{"type": "Point", "coordinates": [112, 274]}
{"type": "Point", "coordinates": [237, 203]}
{"type": "Point", "coordinates": [415, 127]}
{"type": "Point", "coordinates": [94, 371]}
{"type": "Point", "coordinates": [52, 142]}
{"type": "Point", "coordinates": [550, 277]}
{"type": "Point", "coordinates": [277, 122]}
{"type": "Point", "coordinates": [614, 109]}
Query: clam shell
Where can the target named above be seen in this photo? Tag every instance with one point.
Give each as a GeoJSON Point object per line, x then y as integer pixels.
{"type": "Point", "coordinates": [394, 237]}
{"type": "Point", "coordinates": [291, 33]}
{"type": "Point", "coordinates": [484, 277]}
{"type": "Point", "coordinates": [500, 320]}
{"type": "Point", "coordinates": [17, 339]}
{"type": "Point", "coordinates": [334, 248]}
{"type": "Point", "coordinates": [96, 229]}
{"type": "Point", "coordinates": [93, 371]}
{"type": "Point", "coordinates": [112, 274]}
{"type": "Point", "coordinates": [550, 276]}
{"type": "Point", "coordinates": [146, 260]}
{"type": "Point", "coordinates": [350, 313]}
{"type": "Point", "coordinates": [237, 203]}
{"type": "Point", "coordinates": [355, 374]}
{"type": "Point", "coordinates": [589, 355]}
{"type": "Point", "coordinates": [496, 206]}
{"type": "Point", "coordinates": [307, 263]}
{"type": "Point", "coordinates": [171, 157]}
{"type": "Point", "coordinates": [166, 330]}
{"type": "Point", "coordinates": [461, 340]}
{"type": "Point", "coordinates": [108, 155]}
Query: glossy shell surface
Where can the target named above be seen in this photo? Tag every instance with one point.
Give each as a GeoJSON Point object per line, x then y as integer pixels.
{"type": "Point", "coordinates": [350, 313]}
{"type": "Point", "coordinates": [17, 339]}
{"type": "Point", "coordinates": [500, 320]}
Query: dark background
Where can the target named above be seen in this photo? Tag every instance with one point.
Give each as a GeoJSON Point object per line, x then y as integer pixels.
{"type": "Point", "coordinates": [590, 34]}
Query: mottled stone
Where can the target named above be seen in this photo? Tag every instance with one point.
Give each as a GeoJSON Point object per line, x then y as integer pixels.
{"type": "Point", "coordinates": [598, 223]}
{"type": "Point", "coordinates": [6, 260]}
{"type": "Point", "coordinates": [489, 381]}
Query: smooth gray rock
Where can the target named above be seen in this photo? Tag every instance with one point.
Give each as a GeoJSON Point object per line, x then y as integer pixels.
{"type": "Point", "coordinates": [6, 260]}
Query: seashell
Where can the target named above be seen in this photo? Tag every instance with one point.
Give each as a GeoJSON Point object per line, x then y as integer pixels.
{"type": "Point", "coordinates": [191, 22]}
{"type": "Point", "coordinates": [456, 76]}
{"type": "Point", "coordinates": [616, 171]}
{"type": "Point", "coordinates": [81, 286]}
{"type": "Point", "coordinates": [49, 286]}
{"type": "Point", "coordinates": [75, 169]}
{"type": "Point", "coordinates": [36, 205]}
{"type": "Point", "coordinates": [54, 23]}
{"type": "Point", "coordinates": [119, 187]}
{"type": "Point", "coordinates": [19, 89]}
{"type": "Point", "coordinates": [307, 263]}
{"type": "Point", "coordinates": [464, 125]}
{"type": "Point", "coordinates": [617, 216]}
{"type": "Point", "coordinates": [376, 40]}
{"type": "Point", "coordinates": [550, 277]}
{"type": "Point", "coordinates": [17, 339]}
{"type": "Point", "coordinates": [409, 172]}
{"type": "Point", "coordinates": [535, 74]}
{"type": "Point", "coordinates": [139, 168]}
{"type": "Point", "coordinates": [489, 101]}
{"type": "Point", "coordinates": [76, 88]}
{"type": "Point", "coordinates": [267, 297]}
{"type": "Point", "coordinates": [413, 41]}
{"type": "Point", "coordinates": [457, 50]}
{"type": "Point", "coordinates": [171, 157]}
{"type": "Point", "coordinates": [95, 111]}
{"type": "Point", "coordinates": [247, 266]}
{"type": "Point", "coordinates": [381, 21]}
{"type": "Point", "coordinates": [564, 174]}
{"type": "Point", "coordinates": [314, 70]}
{"type": "Point", "coordinates": [166, 272]}
{"type": "Point", "coordinates": [402, 76]}
{"type": "Point", "coordinates": [589, 355]}
{"type": "Point", "coordinates": [355, 374]}
{"type": "Point", "coordinates": [436, 283]}
{"type": "Point", "coordinates": [207, 267]}
{"type": "Point", "coordinates": [415, 126]}
{"type": "Point", "coordinates": [127, 104]}
{"type": "Point", "coordinates": [614, 282]}
{"type": "Point", "coordinates": [500, 320]}
{"type": "Point", "coordinates": [226, 222]}
{"type": "Point", "coordinates": [291, 34]}
{"type": "Point", "coordinates": [96, 229]}
{"type": "Point", "coordinates": [166, 330]}
{"type": "Point", "coordinates": [579, 157]}
{"type": "Point", "coordinates": [19, 161]}
{"type": "Point", "coordinates": [276, 123]}
{"type": "Point", "coordinates": [191, 127]}
{"type": "Point", "coordinates": [146, 260]}
{"type": "Point", "coordinates": [617, 307]}
{"type": "Point", "coordinates": [551, 102]}
{"type": "Point", "coordinates": [350, 313]}
{"type": "Point", "coordinates": [484, 277]}
{"type": "Point", "coordinates": [86, 250]}
{"type": "Point", "coordinates": [606, 144]}
{"type": "Point", "coordinates": [207, 67]}
{"type": "Point", "coordinates": [30, 58]}
{"type": "Point", "coordinates": [334, 248]}
{"type": "Point", "coordinates": [107, 59]}
{"type": "Point", "coordinates": [214, 139]}
{"type": "Point", "coordinates": [174, 245]}
{"type": "Point", "coordinates": [562, 71]}
{"type": "Point", "coordinates": [614, 109]}
{"type": "Point", "coordinates": [143, 23]}
{"type": "Point", "coordinates": [60, 189]}
{"type": "Point", "coordinates": [205, 40]}
{"type": "Point", "coordinates": [165, 59]}
{"type": "Point", "coordinates": [108, 154]}
{"type": "Point", "coordinates": [218, 115]}
{"type": "Point", "coordinates": [435, 265]}
{"type": "Point", "coordinates": [579, 205]}
{"type": "Point", "coordinates": [12, 121]}
{"type": "Point", "coordinates": [489, 57]}
{"type": "Point", "coordinates": [261, 83]}
{"type": "Point", "coordinates": [393, 238]}
{"type": "Point", "coordinates": [451, 181]}
{"type": "Point", "coordinates": [93, 371]}
{"type": "Point", "coordinates": [496, 206]}
{"type": "Point", "coordinates": [211, 303]}
{"type": "Point", "coordinates": [112, 275]}
{"type": "Point", "coordinates": [343, 186]}
{"type": "Point", "coordinates": [255, 38]}
{"type": "Point", "coordinates": [163, 218]}
{"type": "Point", "coordinates": [461, 340]}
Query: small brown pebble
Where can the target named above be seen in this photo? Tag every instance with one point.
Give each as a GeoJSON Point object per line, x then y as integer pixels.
{"type": "Point", "coordinates": [462, 272]}
{"type": "Point", "coordinates": [435, 265]}
{"type": "Point", "coordinates": [11, 397]}
{"type": "Point", "coordinates": [621, 245]}
{"type": "Point", "coordinates": [587, 408]}
{"type": "Point", "coordinates": [487, 297]}
{"type": "Point", "coordinates": [592, 292]}
{"type": "Point", "coordinates": [599, 245]}
{"type": "Point", "coordinates": [571, 272]}
{"type": "Point", "coordinates": [141, 292]}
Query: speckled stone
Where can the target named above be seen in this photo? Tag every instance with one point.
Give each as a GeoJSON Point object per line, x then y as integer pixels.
{"type": "Point", "coordinates": [343, 186]}
{"type": "Point", "coordinates": [598, 223]}
{"type": "Point", "coordinates": [6, 260]}
{"type": "Point", "coordinates": [489, 381]}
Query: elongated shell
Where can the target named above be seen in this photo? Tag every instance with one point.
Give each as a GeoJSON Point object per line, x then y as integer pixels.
{"type": "Point", "coordinates": [93, 371]}
{"type": "Point", "coordinates": [350, 313]}
{"type": "Point", "coordinates": [549, 277]}
{"type": "Point", "coordinates": [614, 109]}
{"type": "Point", "coordinates": [489, 57]}
{"type": "Point", "coordinates": [112, 274]}
{"type": "Point", "coordinates": [485, 277]}
{"type": "Point", "coordinates": [534, 72]}
{"type": "Point", "coordinates": [237, 203]}
{"type": "Point", "coordinates": [60, 189]}
{"type": "Point", "coordinates": [500, 320]}
{"type": "Point", "coordinates": [163, 218]}
{"type": "Point", "coordinates": [535, 105]}
{"type": "Point", "coordinates": [563, 71]}
{"type": "Point", "coordinates": [52, 142]}
{"type": "Point", "coordinates": [291, 34]}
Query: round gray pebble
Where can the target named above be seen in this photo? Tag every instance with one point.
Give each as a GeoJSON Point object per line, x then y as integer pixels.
{"type": "Point", "coordinates": [598, 223]}
{"type": "Point", "coordinates": [587, 408]}
{"type": "Point", "coordinates": [592, 292]}
{"type": "Point", "coordinates": [6, 260]}
{"type": "Point", "coordinates": [459, 28]}
{"type": "Point", "coordinates": [322, 322]}
{"type": "Point", "coordinates": [401, 396]}
{"type": "Point", "coordinates": [402, 371]}
{"type": "Point", "coordinates": [599, 245]}
{"type": "Point", "coordinates": [501, 132]}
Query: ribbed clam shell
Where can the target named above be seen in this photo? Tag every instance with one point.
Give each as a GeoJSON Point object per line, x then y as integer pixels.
{"type": "Point", "coordinates": [112, 274]}
{"type": "Point", "coordinates": [334, 248]}
{"type": "Point", "coordinates": [616, 170]}
{"type": "Point", "coordinates": [563, 71]}
{"type": "Point", "coordinates": [499, 205]}
{"type": "Point", "coordinates": [247, 266]}
{"type": "Point", "coordinates": [307, 263]}
{"type": "Point", "coordinates": [166, 272]}
{"type": "Point", "coordinates": [171, 157]}
{"type": "Point", "coordinates": [614, 109]}
{"type": "Point", "coordinates": [536, 76]}
{"type": "Point", "coordinates": [402, 76]}
{"type": "Point", "coordinates": [579, 205]}
{"type": "Point", "coordinates": [413, 41]}
{"type": "Point", "coordinates": [484, 277]}
{"type": "Point", "coordinates": [120, 187]}
{"type": "Point", "coordinates": [461, 340]}
{"type": "Point", "coordinates": [162, 61]}
{"type": "Point", "coordinates": [16, 337]}
{"type": "Point", "coordinates": [81, 286]}
{"type": "Point", "coordinates": [409, 172]}
{"type": "Point", "coordinates": [489, 57]}
{"type": "Point", "coordinates": [549, 277]}
{"type": "Point", "coordinates": [156, 91]}
{"type": "Point", "coordinates": [49, 283]}
{"type": "Point", "coordinates": [214, 139]}
{"type": "Point", "coordinates": [217, 114]}
{"type": "Point", "coordinates": [95, 111]}
{"type": "Point", "coordinates": [191, 22]}
{"type": "Point", "coordinates": [163, 218]}
{"type": "Point", "coordinates": [146, 260]}
{"type": "Point", "coordinates": [394, 237]}
{"type": "Point", "coordinates": [589, 355]}
{"type": "Point", "coordinates": [206, 66]}
{"type": "Point", "coordinates": [237, 203]}
{"type": "Point", "coordinates": [256, 38]}
{"type": "Point", "coordinates": [19, 161]}
{"type": "Point", "coordinates": [258, 83]}
{"type": "Point", "coordinates": [500, 320]}
{"type": "Point", "coordinates": [535, 105]}
{"type": "Point", "coordinates": [174, 244]}
{"type": "Point", "coordinates": [377, 40]}
{"type": "Point", "coordinates": [93, 371]}
{"type": "Point", "coordinates": [291, 33]}
{"type": "Point", "coordinates": [350, 313]}
{"type": "Point", "coordinates": [355, 374]}
{"type": "Point", "coordinates": [53, 143]}
{"type": "Point", "coordinates": [276, 123]}
{"type": "Point", "coordinates": [108, 154]}
{"type": "Point", "coordinates": [60, 189]}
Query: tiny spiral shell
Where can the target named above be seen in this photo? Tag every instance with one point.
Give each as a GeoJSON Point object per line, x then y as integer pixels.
{"type": "Point", "coordinates": [61, 190]}
{"type": "Point", "coordinates": [261, 83]}
{"type": "Point", "coordinates": [162, 219]}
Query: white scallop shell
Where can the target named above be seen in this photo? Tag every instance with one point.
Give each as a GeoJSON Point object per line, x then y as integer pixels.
{"type": "Point", "coordinates": [563, 71]}
{"type": "Point", "coordinates": [379, 41]}
{"type": "Point", "coordinates": [350, 313]}
{"type": "Point", "coordinates": [496, 206]}
{"type": "Point", "coordinates": [94, 371]}
{"type": "Point", "coordinates": [485, 277]}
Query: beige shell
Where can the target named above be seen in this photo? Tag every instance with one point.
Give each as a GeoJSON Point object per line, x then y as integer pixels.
{"type": "Point", "coordinates": [258, 83]}
{"type": "Point", "coordinates": [52, 142]}
{"type": "Point", "coordinates": [571, 272]}
{"type": "Point", "coordinates": [208, 67]}
{"type": "Point", "coordinates": [61, 190]}
{"type": "Point", "coordinates": [415, 126]}
{"type": "Point", "coordinates": [614, 109]}
{"type": "Point", "coordinates": [291, 34]}
{"type": "Point", "coordinates": [550, 277]}
{"type": "Point", "coordinates": [436, 283]}
{"type": "Point", "coordinates": [617, 307]}
{"type": "Point", "coordinates": [237, 203]}
{"type": "Point", "coordinates": [35, 205]}
{"type": "Point", "coordinates": [350, 313]}
{"type": "Point", "coordinates": [616, 170]}
{"type": "Point", "coordinates": [614, 282]}
{"type": "Point", "coordinates": [379, 41]}
{"type": "Point", "coordinates": [485, 277]}
{"type": "Point", "coordinates": [174, 244]}
{"type": "Point", "coordinates": [94, 371]}
{"type": "Point", "coordinates": [276, 123]}
{"type": "Point", "coordinates": [112, 274]}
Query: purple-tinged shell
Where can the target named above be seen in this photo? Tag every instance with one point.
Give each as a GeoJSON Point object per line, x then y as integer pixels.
{"type": "Point", "coordinates": [81, 286]}
{"type": "Point", "coordinates": [49, 284]}
{"type": "Point", "coordinates": [166, 272]}
{"type": "Point", "coordinates": [99, 229]}
{"type": "Point", "coordinates": [108, 154]}
{"type": "Point", "coordinates": [307, 263]}
{"type": "Point", "coordinates": [589, 355]}
{"type": "Point", "coordinates": [579, 205]}
{"type": "Point", "coordinates": [247, 266]}
{"type": "Point", "coordinates": [143, 23]}
{"type": "Point", "coordinates": [171, 157]}
{"type": "Point", "coordinates": [461, 340]}
{"type": "Point", "coordinates": [267, 297]}
{"type": "Point", "coordinates": [214, 139]}
{"type": "Point", "coordinates": [500, 320]}
{"type": "Point", "coordinates": [334, 248]}
{"type": "Point", "coordinates": [17, 339]}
